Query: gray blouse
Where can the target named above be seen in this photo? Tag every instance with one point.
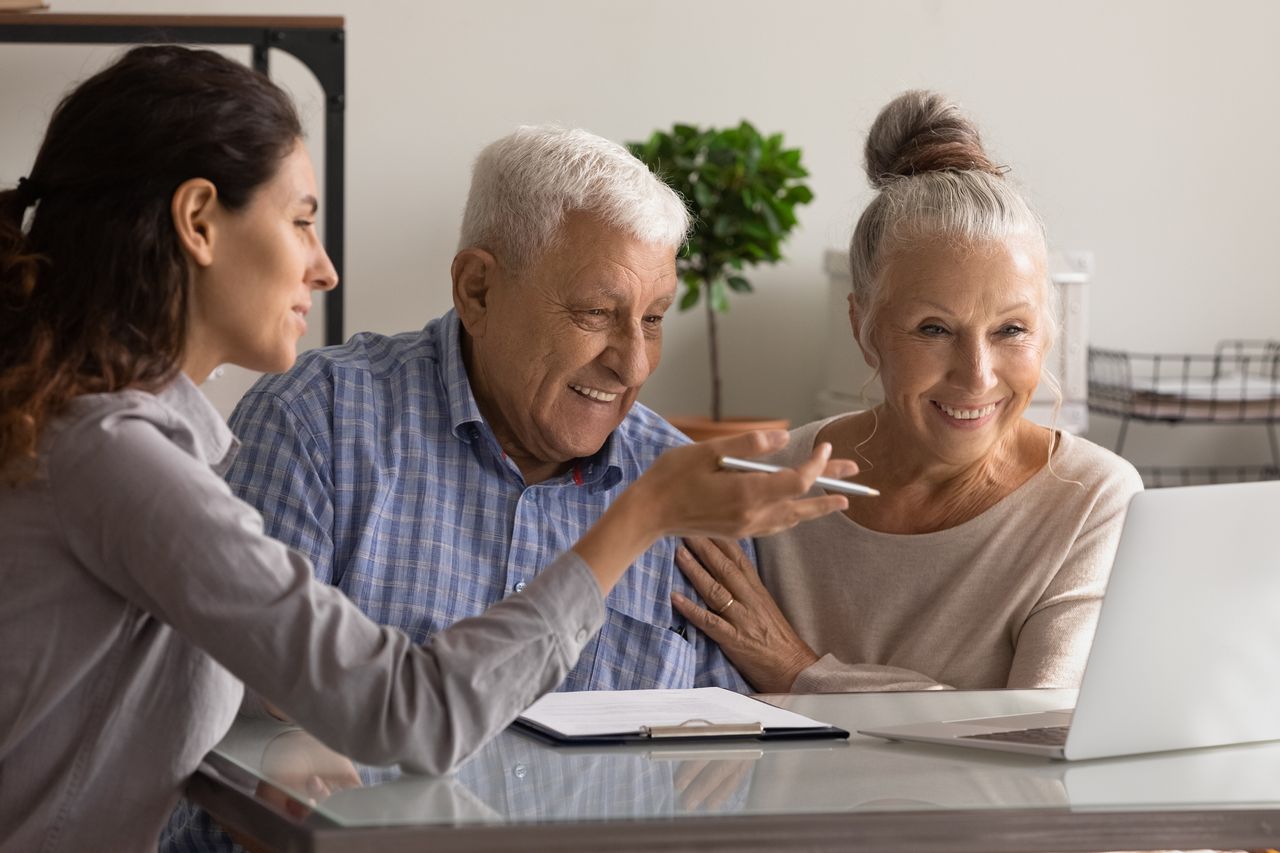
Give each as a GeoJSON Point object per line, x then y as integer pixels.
{"type": "Point", "coordinates": [139, 593]}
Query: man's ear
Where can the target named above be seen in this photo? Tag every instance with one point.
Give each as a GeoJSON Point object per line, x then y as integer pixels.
{"type": "Point", "coordinates": [475, 272]}
{"type": "Point", "coordinates": [192, 207]}
{"type": "Point", "coordinates": [867, 355]}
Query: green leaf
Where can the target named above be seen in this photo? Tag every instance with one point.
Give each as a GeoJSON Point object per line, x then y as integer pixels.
{"type": "Point", "coordinates": [771, 218]}
{"type": "Point", "coordinates": [741, 188]}
{"type": "Point", "coordinates": [719, 296]}
{"type": "Point", "coordinates": [703, 195]}
{"type": "Point", "coordinates": [798, 194]}
{"type": "Point", "coordinates": [690, 297]}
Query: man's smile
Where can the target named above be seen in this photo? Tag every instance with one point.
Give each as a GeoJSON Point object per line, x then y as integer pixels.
{"type": "Point", "coordinates": [594, 393]}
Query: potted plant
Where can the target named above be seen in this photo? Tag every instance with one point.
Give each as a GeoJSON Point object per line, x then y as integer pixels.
{"type": "Point", "coordinates": [742, 189]}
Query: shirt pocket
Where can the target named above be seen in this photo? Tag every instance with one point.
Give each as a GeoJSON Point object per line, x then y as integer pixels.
{"type": "Point", "coordinates": [631, 654]}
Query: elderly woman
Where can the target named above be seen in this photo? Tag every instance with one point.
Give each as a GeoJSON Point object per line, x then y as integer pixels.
{"type": "Point", "coordinates": [983, 562]}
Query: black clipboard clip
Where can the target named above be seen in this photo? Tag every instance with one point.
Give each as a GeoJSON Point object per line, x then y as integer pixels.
{"type": "Point", "coordinates": [703, 728]}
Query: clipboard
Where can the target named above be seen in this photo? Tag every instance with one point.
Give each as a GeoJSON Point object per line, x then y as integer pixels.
{"type": "Point", "coordinates": [670, 717]}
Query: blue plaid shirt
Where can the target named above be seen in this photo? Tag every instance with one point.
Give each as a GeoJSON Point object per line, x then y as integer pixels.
{"type": "Point", "coordinates": [372, 459]}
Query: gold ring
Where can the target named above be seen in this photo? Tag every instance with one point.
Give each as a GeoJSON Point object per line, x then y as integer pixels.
{"type": "Point", "coordinates": [727, 604]}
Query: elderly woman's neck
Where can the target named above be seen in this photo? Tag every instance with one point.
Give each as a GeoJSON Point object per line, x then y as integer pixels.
{"type": "Point", "coordinates": [923, 492]}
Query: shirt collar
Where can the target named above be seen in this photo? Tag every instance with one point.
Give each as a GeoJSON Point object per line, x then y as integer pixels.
{"type": "Point", "coordinates": [602, 470]}
{"type": "Point", "coordinates": [212, 440]}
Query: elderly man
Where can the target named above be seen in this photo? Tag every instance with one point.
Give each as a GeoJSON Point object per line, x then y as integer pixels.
{"type": "Point", "coordinates": [430, 474]}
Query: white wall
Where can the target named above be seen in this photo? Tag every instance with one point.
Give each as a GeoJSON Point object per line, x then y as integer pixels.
{"type": "Point", "coordinates": [1145, 131]}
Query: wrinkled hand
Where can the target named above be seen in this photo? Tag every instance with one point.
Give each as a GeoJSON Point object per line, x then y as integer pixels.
{"type": "Point", "coordinates": [707, 786]}
{"type": "Point", "coordinates": [743, 617]}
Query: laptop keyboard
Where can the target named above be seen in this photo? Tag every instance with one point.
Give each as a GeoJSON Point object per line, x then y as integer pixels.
{"type": "Point", "coordinates": [1044, 736]}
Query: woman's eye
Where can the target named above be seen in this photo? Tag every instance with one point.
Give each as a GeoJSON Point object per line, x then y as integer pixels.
{"type": "Point", "coordinates": [304, 223]}
{"type": "Point", "coordinates": [932, 330]}
{"type": "Point", "coordinates": [1013, 330]}
{"type": "Point", "coordinates": [653, 320]}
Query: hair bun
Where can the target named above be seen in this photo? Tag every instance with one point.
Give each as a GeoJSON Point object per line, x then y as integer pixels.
{"type": "Point", "coordinates": [921, 131]}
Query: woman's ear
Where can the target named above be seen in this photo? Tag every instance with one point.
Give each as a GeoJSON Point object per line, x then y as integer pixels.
{"type": "Point", "coordinates": [475, 273]}
{"type": "Point", "coordinates": [868, 355]}
{"type": "Point", "coordinates": [192, 207]}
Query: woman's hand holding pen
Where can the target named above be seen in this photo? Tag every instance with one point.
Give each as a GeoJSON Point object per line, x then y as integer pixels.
{"type": "Point", "coordinates": [686, 493]}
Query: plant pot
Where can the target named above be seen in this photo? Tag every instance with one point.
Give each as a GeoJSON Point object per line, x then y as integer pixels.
{"type": "Point", "coordinates": [700, 428]}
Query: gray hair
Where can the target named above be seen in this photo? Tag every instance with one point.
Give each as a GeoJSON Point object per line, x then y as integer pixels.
{"type": "Point", "coordinates": [523, 186]}
{"type": "Point", "coordinates": [935, 182]}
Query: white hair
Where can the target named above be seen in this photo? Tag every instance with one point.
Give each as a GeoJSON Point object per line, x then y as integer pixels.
{"type": "Point", "coordinates": [523, 186]}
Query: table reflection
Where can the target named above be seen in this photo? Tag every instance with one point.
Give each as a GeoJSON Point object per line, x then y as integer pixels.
{"type": "Point", "coordinates": [519, 780]}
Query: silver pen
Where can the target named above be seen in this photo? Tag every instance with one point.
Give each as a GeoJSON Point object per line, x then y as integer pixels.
{"type": "Point", "coordinates": [735, 464]}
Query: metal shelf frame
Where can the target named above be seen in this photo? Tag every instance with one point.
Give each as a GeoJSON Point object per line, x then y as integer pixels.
{"type": "Point", "coordinates": [319, 43]}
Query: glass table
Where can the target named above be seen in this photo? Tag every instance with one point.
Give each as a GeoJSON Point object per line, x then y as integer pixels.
{"type": "Point", "coordinates": [277, 785]}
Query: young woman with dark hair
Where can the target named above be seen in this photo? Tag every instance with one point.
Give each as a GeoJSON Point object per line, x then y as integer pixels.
{"type": "Point", "coordinates": [168, 226]}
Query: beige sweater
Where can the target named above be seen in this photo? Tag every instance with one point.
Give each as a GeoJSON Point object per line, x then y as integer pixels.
{"type": "Point", "coordinates": [1007, 599]}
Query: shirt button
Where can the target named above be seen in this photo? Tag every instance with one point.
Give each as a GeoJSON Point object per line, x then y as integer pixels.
{"type": "Point", "coordinates": [519, 771]}
{"type": "Point", "coordinates": [520, 586]}
{"type": "Point", "coordinates": [581, 635]}
{"type": "Point", "coordinates": [533, 496]}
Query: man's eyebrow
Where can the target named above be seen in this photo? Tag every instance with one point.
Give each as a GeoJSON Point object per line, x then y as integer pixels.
{"type": "Point", "coordinates": [617, 294]}
{"type": "Point", "coordinates": [607, 291]}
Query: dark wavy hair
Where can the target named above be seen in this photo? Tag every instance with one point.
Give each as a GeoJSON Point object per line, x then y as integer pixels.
{"type": "Point", "coordinates": [94, 290]}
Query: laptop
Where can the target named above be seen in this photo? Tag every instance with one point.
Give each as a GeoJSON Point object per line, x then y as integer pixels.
{"type": "Point", "coordinates": [1187, 648]}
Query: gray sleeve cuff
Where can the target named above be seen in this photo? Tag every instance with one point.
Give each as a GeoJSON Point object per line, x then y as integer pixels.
{"type": "Point", "coordinates": [567, 595]}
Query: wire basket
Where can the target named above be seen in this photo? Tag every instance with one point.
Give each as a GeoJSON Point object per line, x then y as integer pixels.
{"type": "Point", "coordinates": [1205, 475]}
{"type": "Point", "coordinates": [1238, 384]}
